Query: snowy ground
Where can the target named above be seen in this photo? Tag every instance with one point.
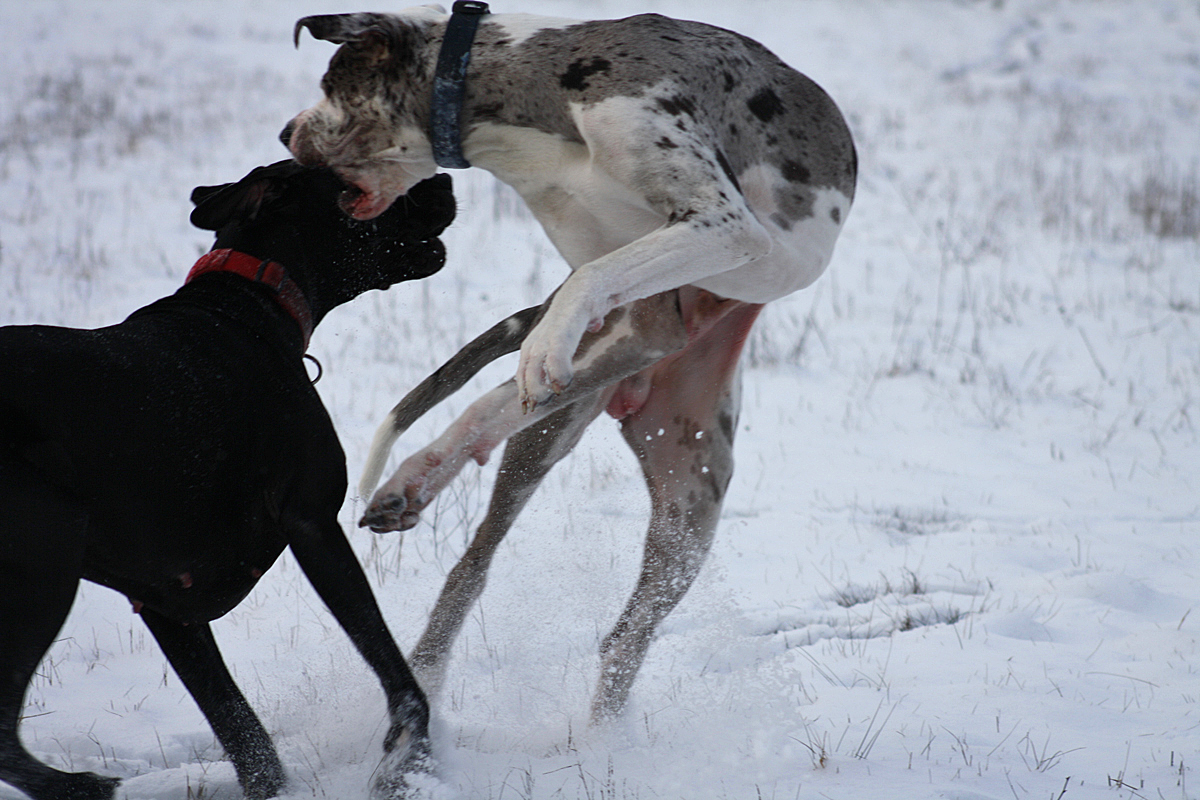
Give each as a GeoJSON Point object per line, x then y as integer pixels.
{"type": "Point", "coordinates": [959, 556]}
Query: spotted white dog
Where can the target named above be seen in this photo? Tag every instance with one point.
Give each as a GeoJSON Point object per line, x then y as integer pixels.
{"type": "Point", "coordinates": [687, 176]}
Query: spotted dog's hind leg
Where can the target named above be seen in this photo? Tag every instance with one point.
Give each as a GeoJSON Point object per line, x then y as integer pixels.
{"type": "Point", "coordinates": [528, 456]}
{"type": "Point", "coordinates": [683, 438]}
{"type": "Point", "coordinates": [632, 338]}
{"type": "Point", "coordinates": [502, 338]}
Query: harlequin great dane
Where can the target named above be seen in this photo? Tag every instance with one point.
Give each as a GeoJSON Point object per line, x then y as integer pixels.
{"type": "Point", "coordinates": [687, 176]}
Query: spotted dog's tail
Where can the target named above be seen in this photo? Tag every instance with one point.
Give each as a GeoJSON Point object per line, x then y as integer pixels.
{"type": "Point", "coordinates": [502, 338]}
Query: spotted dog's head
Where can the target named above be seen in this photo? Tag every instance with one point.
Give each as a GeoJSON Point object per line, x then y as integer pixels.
{"type": "Point", "coordinates": [371, 127]}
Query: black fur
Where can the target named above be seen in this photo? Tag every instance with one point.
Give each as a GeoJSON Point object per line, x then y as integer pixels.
{"type": "Point", "coordinates": [172, 457]}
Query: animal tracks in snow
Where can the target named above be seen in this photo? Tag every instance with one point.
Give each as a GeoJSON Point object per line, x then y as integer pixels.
{"type": "Point", "coordinates": [870, 611]}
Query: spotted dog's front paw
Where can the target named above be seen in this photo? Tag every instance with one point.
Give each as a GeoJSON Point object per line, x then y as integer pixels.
{"type": "Point", "coordinates": [546, 370]}
{"type": "Point", "coordinates": [543, 373]}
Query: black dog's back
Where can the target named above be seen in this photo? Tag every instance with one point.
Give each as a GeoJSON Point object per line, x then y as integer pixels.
{"type": "Point", "coordinates": [186, 437]}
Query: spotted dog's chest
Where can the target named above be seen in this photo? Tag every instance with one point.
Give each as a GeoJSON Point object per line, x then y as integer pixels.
{"type": "Point", "coordinates": [584, 208]}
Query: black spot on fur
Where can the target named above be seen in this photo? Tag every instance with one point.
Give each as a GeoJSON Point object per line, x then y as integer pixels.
{"type": "Point", "coordinates": [676, 217]}
{"type": "Point", "coordinates": [727, 168]}
{"type": "Point", "coordinates": [794, 202]}
{"type": "Point", "coordinates": [765, 105]}
{"type": "Point", "coordinates": [665, 143]}
{"type": "Point", "coordinates": [576, 75]}
{"type": "Point", "coordinates": [836, 215]}
{"type": "Point", "coordinates": [678, 105]}
{"type": "Point", "coordinates": [730, 83]}
{"type": "Point", "coordinates": [796, 173]}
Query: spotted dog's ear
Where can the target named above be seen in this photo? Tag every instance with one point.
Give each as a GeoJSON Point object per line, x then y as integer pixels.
{"type": "Point", "coordinates": [371, 39]}
{"type": "Point", "coordinates": [217, 206]}
{"type": "Point", "coordinates": [346, 28]}
{"type": "Point", "coordinates": [378, 37]}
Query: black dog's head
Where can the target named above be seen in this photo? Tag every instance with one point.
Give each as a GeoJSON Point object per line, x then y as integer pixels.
{"type": "Point", "coordinates": [289, 213]}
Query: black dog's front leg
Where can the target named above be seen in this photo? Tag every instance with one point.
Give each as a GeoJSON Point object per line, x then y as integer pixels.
{"type": "Point", "coordinates": [330, 564]}
{"type": "Point", "coordinates": [193, 654]}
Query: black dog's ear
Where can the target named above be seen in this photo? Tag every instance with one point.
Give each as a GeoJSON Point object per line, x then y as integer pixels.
{"type": "Point", "coordinates": [217, 206]}
{"type": "Point", "coordinates": [202, 193]}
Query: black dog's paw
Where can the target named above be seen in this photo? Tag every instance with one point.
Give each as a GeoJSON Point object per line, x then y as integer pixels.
{"type": "Point", "coordinates": [85, 786]}
{"type": "Point", "coordinates": [266, 782]}
{"type": "Point", "coordinates": [406, 771]}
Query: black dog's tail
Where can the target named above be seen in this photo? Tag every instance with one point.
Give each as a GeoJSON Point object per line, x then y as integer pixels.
{"type": "Point", "coordinates": [502, 338]}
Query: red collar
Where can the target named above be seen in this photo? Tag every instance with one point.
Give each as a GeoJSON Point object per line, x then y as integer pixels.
{"type": "Point", "coordinates": [268, 273]}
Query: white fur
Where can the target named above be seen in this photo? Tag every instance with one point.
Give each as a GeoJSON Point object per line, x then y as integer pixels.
{"type": "Point", "coordinates": [519, 27]}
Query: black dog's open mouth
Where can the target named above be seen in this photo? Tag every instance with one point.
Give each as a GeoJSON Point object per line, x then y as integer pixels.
{"type": "Point", "coordinates": [349, 198]}
{"type": "Point", "coordinates": [363, 203]}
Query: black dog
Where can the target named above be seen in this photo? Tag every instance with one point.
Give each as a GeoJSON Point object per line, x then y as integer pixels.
{"type": "Point", "coordinates": [174, 456]}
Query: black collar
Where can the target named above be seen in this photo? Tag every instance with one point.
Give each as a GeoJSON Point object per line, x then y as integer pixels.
{"type": "Point", "coordinates": [449, 83]}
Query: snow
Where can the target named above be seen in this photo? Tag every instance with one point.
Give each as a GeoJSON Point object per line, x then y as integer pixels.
{"type": "Point", "coordinates": [958, 558]}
